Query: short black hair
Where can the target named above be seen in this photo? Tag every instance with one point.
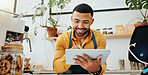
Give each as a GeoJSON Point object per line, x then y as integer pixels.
{"type": "Point", "coordinates": [83, 8]}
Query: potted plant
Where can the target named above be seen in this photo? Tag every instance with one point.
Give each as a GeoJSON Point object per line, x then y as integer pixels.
{"type": "Point", "coordinates": [41, 9]}
{"type": "Point", "coordinates": [138, 5]}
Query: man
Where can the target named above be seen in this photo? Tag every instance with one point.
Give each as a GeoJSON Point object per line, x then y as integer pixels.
{"type": "Point", "coordinates": [82, 37]}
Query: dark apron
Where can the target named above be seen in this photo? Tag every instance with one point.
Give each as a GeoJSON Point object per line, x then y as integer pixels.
{"type": "Point", "coordinates": [76, 69]}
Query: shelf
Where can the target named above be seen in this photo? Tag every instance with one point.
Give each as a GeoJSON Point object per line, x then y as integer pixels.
{"type": "Point", "coordinates": [124, 72]}
{"type": "Point", "coordinates": [108, 36]}
{"type": "Point", "coordinates": [111, 36]}
{"type": "Point", "coordinates": [52, 38]}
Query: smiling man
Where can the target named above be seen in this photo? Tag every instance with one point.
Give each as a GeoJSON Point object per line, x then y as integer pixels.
{"type": "Point", "coordinates": [81, 37]}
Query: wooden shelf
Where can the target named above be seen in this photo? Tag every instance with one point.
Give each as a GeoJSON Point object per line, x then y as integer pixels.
{"type": "Point", "coordinates": [124, 72]}
{"type": "Point", "coordinates": [108, 36]}
{"type": "Point", "coordinates": [111, 36]}
{"type": "Point", "coordinates": [52, 38]}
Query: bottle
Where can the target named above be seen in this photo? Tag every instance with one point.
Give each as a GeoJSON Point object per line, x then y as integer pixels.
{"type": "Point", "coordinates": [98, 30]}
{"type": "Point", "coordinates": [104, 30]}
{"type": "Point", "coordinates": [110, 31]}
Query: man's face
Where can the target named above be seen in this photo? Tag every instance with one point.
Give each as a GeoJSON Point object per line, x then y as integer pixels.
{"type": "Point", "coordinates": [81, 22]}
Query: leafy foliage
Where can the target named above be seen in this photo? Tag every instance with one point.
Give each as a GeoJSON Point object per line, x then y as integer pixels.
{"type": "Point", "coordinates": [40, 10]}
{"type": "Point", "coordinates": [138, 5]}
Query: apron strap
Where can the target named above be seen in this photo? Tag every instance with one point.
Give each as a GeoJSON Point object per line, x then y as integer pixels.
{"type": "Point", "coordinates": [70, 40]}
{"type": "Point", "coordinates": [93, 38]}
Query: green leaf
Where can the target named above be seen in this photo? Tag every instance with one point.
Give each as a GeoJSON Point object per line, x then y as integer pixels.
{"type": "Point", "coordinates": [43, 26]}
{"type": "Point", "coordinates": [60, 2]}
{"type": "Point", "coordinates": [36, 6]}
{"type": "Point", "coordinates": [52, 3]}
{"type": "Point", "coordinates": [45, 8]}
{"type": "Point", "coordinates": [127, 2]}
{"type": "Point", "coordinates": [61, 6]}
{"type": "Point", "coordinates": [145, 6]}
{"type": "Point", "coordinates": [134, 4]}
{"type": "Point", "coordinates": [33, 18]}
{"type": "Point", "coordinates": [35, 31]}
{"type": "Point", "coordinates": [130, 7]}
{"type": "Point", "coordinates": [147, 1]}
{"type": "Point", "coordinates": [70, 27]}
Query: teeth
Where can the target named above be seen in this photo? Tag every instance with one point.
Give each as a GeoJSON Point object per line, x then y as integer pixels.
{"type": "Point", "coordinates": [80, 31]}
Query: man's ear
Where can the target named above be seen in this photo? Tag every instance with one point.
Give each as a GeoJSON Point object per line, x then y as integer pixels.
{"type": "Point", "coordinates": [92, 21]}
{"type": "Point", "coordinates": [71, 18]}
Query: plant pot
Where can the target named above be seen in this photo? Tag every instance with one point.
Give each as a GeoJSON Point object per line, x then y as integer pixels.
{"type": "Point", "coordinates": [140, 24]}
{"type": "Point", "coordinates": [52, 31]}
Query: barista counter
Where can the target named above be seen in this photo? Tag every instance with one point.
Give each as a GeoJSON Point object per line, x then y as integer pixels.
{"type": "Point", "coordinates": [115, 72]}
{"type": "Point", "coordinates": [81, 74]}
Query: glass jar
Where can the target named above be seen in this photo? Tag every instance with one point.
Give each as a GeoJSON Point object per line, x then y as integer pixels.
{"type": "Point", "coordinates": [104, 30]}
{"type": "Point", "coordinates": [98, 30]}
{"type": "Point", "coordinates": [11, 63]}
{"type": "Point", "coordinates": [110, 31]}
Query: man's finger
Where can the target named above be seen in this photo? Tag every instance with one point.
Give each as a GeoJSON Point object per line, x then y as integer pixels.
{"type": "Point", "coordinates": [81, 59]}
{"type": "Point", "coordinates": [87, 57]}
{"type": "Point", "coordinates": [75, 47]}
{"type": "Point", "coordinates": [78, 62]}
{"type": "Point", "coordinates": [80, 47]}
{"type": "Point", "coordinates": [99, 57]}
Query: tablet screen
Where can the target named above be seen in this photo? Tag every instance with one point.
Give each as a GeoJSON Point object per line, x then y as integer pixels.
{"type": "Point", "coordinates": [92, 53]}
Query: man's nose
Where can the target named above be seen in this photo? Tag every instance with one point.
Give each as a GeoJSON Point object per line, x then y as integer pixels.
{"type": "Point", "coordinates": [80, 25]}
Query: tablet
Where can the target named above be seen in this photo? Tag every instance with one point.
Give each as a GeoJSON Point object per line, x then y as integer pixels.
{"type": "Point", "coordinates": [92, 53]}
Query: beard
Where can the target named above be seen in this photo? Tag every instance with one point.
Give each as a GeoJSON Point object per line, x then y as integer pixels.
{"type": "Point", "coordinates": [81, 31]}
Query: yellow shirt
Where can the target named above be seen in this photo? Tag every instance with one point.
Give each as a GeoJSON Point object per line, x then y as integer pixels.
{"type": "Point", "coordinates": [62, 43]}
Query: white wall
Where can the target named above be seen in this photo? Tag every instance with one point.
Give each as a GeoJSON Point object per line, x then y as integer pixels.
{"type": "Point", "coordinates": [43, 50]}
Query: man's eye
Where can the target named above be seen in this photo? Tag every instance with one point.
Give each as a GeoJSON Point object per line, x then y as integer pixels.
{"type": "Point", "coordinates": [76, 21]}
{"type": "Point", "coordinates": [85, 22]}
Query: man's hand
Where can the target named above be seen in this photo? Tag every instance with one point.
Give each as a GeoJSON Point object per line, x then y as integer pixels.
{"type": "Point", "coordinates": [77, 47]}
{"type": "Point", "coordinates": [89, 65]}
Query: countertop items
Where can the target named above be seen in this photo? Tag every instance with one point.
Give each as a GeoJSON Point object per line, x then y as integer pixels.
{"type": "Point", "coordinates": [11, 63]}
{"type": "Point", "coordinates": [80, 74]}
{"type": "Point", "coordinates": [115, 72]}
